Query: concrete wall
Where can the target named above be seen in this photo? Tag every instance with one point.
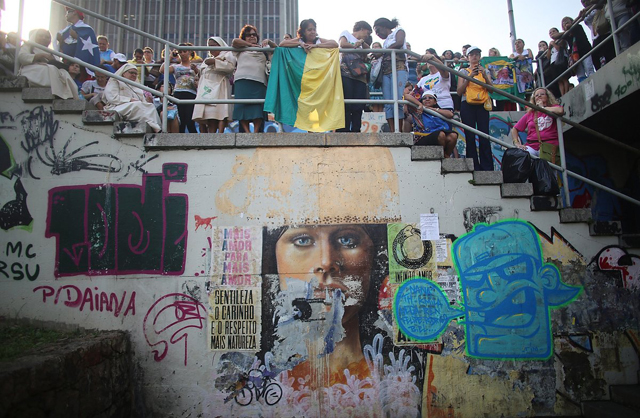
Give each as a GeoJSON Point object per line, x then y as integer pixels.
{"type": "Point", "coordinates": [279, 281]}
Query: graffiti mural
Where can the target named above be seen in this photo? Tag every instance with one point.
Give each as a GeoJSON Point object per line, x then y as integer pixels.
{"type": "Point", "coordinates": [14, 211]}
{"type": "Point", "coordinates": [508, 291]}
{"type": "Point", "coordinates": [168, 320]}
{"type": "Point", "coordinates": [614, 258]}
{"type": "Point", "coordinates": [120, 229]}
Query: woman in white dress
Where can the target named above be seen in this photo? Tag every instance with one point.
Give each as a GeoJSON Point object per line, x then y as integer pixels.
{"type": "Point", "coordinates": [214, 84]}
{"type": "Point", "coordinates": [129, 101]}
{"type": "Point", "coordinates": [43, 70]}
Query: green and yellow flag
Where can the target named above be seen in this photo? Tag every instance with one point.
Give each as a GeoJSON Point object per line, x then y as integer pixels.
{"type": "Point", "coordinates": [305, 90]}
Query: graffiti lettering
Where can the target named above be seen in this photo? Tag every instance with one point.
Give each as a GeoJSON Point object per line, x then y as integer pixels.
{"type": "Point", "coordinates": [621, 90]}
{"type": "Point", "coordinates": [18, 270]}
{"type": "Point", "coordinates": [168, 319]}
{"type": "Point", "coordinates": [93, 300]}
{"type": "Point", "coordinates": [39, 127]}
{"type": "Point", "coordinates": [598, 102]}
{"type": "Point", "coordinates": [120, 229]}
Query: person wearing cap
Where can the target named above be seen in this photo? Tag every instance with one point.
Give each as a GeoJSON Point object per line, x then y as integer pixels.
{"type": "Point", "coordinates": [433, 130]}
{"type": "Point", "coordinates": [473, 111]}
{"type": "Point", "coordinates": [118, 61]}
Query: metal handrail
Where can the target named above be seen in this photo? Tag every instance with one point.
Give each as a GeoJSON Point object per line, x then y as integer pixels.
{"type": "Point", "coordinates": [166, 98]}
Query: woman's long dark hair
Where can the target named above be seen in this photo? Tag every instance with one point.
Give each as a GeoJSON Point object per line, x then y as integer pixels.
{"type": "Point", "coordinates": [303, 27]}
{"type": "Point", "coordinates": [386, 23]}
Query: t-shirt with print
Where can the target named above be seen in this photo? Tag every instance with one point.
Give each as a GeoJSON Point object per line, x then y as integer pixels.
{"type": "Point", "coordinates": [547, 127]}
{"type": "Point", "coordinates": [185, 78]}
{"type": "Point", "coordinates": [440, 86]}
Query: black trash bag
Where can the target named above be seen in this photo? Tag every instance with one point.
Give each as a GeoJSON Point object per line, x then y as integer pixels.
{"type": "Point", "coordinates": [516, 166]}
{"type": "Point", "coordinates": [544, 179]}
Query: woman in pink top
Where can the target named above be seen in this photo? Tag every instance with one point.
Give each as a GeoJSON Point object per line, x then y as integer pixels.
{"type": "Point", "coordinates": [547, 128]}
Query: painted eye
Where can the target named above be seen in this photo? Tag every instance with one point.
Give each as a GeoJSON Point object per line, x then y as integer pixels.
{"type": "Point", "coordinates": [302, 241]}
{"type": "Point", "coordinates": [347, 241]}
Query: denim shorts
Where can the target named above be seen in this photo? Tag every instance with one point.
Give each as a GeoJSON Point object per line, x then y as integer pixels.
{"type": "Point", "coordinates": [387, 92]}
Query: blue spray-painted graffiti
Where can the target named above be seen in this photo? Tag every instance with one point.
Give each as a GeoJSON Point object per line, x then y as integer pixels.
{"type": "Point", "coordinates": [422, 309]}
{"type": "Point", "coordinates": [508, 291]}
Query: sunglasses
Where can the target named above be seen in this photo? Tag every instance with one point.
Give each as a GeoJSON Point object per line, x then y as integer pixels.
{"type": "Point", "coordinates": [252, 34]}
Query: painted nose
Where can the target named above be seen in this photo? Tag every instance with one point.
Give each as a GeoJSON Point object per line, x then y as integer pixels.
{"type": "Point", "coordinates": [328, 263]}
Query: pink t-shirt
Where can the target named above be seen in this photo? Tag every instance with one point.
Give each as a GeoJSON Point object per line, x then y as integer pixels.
{"type": "Point", "coordinates": [547, 126]}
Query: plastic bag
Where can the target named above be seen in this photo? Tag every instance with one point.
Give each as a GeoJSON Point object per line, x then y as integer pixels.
{"type": "Point", "coordinates": [516, 165]}
{"type": "Point", "coordinates": [543, 178]}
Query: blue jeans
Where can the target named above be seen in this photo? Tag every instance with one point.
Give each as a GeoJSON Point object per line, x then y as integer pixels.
{"type": "Point", "coordinates": [387, 93]}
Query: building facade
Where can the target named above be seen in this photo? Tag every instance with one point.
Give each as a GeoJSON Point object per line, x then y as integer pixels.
{"type": "Point", "coordinates": [186, 20]}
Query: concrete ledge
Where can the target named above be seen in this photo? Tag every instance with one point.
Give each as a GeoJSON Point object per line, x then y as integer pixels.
{"type": "Point", "coordinates": [481, 178]}
{"type": "Point", "coordinates": [426, 153]}
{"type": "Point", "coordinates": [69, 106]}
{"type": "Point", "coordinates": [100, 117]}
{"type": "Point", "coordinates": [457, 165]}
{"type": "Point", "coordinates": [37, 94]}
{"type": "Point", "coordinates": [571, 215]}
{"type": "Point", "coordinates": [605, 228]}
{"type": "Point", "coordinates": [607, 409]}
{"type": "Point", "coordinates": [130, 128]}
{"type": "Point", "coordinates": [629, 241]}
{"type": "Point", "coordinates": [165, 140]}
{"type": "Point", "coordinates": [13, 83]}
{"type": "Point", "coordinates": [355, 139]}
{"type": "Point", "coordinates": [273, 139]}
{"type": "Point", "coordinates": [516, 190]}
{"type": "Point", "coordinates": [544, 203]}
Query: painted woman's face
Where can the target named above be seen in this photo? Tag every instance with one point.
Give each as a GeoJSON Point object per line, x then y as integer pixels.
{"type": "Point", "coordinates": [331, 258]}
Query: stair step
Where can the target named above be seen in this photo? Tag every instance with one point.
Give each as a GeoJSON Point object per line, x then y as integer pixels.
{"type": "Point", "coordinates": [516, 189]}
{"type": "Point", "coordinates": [100, 117]}
{"type": "Point", "coordinates": [200, 141]}
{"type": "Point", "coordinates": [426, 153]}
{"type": "Point", "coordinates": [629, 241]}
{"type": "Point", "coordinates": [130, 128]}
{"type": "Point", "coordinates": [37, 95]}
{"type": "Point", "coordinates": [457, 165]}
{"type": "Point", "coordinates": [607, 409]}
{"type": "Point", "coordinates": [69, 106]}
{"type": "Point", "coordinates": [481, 178]}
{"type": "Point", "coordinates": [627, 395]}
{"type": "Point", "coordinates": [573, 215]}
{"type": "Point", "coordinates": [13, 83]}
{"type": "Point", "coordinates": [544, 203]}
{"type": "Point", "coordinates": [605, 228]}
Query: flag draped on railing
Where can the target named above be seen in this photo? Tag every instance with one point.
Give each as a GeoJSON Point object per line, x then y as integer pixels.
{"type": "Point", "coordinates": [503, 76]}
{"type": "Point", "coordinates": [305, 90]}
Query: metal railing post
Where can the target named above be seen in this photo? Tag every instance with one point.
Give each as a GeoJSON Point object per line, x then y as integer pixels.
{"type": "Point", "coordinates": [394, 81]}
{"type": "Point", "coordinates": [616, 45]}
{"type": "Point", "coordinates": [541, 71]}
{"type": "Point", "coordinates": [563, 164]}
{"type": "Point", "coordinates": [16, 61]}
{"type": "Point", "coordinates": [165, 93]}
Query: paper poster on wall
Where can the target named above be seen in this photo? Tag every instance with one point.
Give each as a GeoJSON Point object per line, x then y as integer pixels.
{"type": "Point", "coordinates": [236, 256]}
{"type": "Point", "coordinates": [429, 226]}
{"type": "Point", "coordinates": [372, 122]}
{"type": "Point", "coordinates": [234, 319]}
{"type": "Point", "coordinates": [409, 255]}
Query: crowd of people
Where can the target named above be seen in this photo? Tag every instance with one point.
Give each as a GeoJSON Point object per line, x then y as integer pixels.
{"type": "Point", "coordinates": [245, 75]}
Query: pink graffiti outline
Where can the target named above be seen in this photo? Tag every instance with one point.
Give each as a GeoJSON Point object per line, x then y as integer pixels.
{"type": "Point", "coordinates": [134, 249]}
{"type": "Point", "coordinates": [75, 257]}
{"type": "Point", "coordinates": [116, 270]}
{"type": "Point", "coordinates": [184, 310]}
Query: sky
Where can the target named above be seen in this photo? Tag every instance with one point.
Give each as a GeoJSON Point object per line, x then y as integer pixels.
{"type": "Point", "coordinates": [447, 24]}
